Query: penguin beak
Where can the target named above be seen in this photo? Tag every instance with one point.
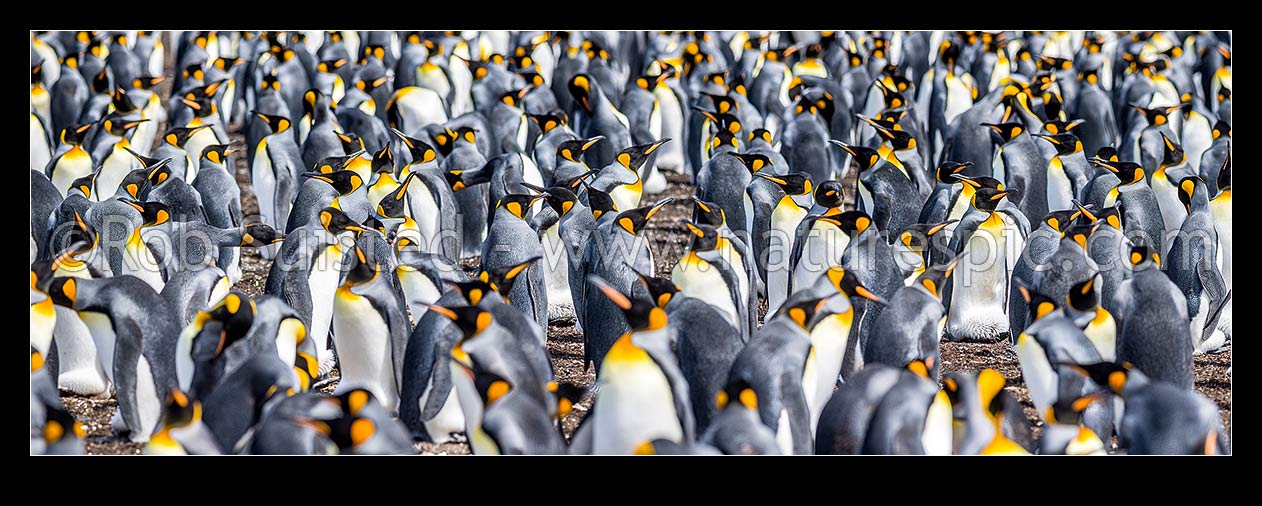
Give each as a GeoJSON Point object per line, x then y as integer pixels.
{"type": "Point", "coordinates": [658, 207]}
{"type": "Point", "coordinates": [197, 107]}
{"type": "Point", "coordinates": [653, 147]}
{"type": "Point", "coordinates": [593, 141]}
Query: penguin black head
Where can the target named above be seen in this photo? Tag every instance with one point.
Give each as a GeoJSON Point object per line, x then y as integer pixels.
{"type": "Point", "coordinates": [471, 320]}
{"type": "Point", "coordinates": [893, 99]}
{"type": "Point", "coordinates": [792, 184]}
{"type": "Point", "coordinates": [502, 279]}
{"type": "Point", "coordinates": [343, 181]}
{"type": "Point", "coordinates": [37, 73]}
{"type": "Point", "coordinates": [236, 313]}
{"type": "Point", "coordinates": [217, 153]}
{"type": "Point", "coordinates": [159, 173]}
{"type": "Point", "coordinates": [864, 156]}
{"type": "Point", "coordinates": [707, 238]}
{"type": "Point", "coordinates": [349, 431]}
{"type": "Point", "coordinates": [600, 203]}
{"type": "Point", "coordinates": [1110, 375]}
{"type": "Point", "coordinates": [1052, 63]}
{"type": "Point", "coordinates": [640, 314]}
{"type": "Point", "coordinates": [310, 99]}
{"type": "Point", "coordinates": [1188, 188]}
{"type": "Point", "coordinates": [1083, 296]}
{"type": "Point", "coordinates": [980, 182]}
{"type": "Point", "coordinates": [383, 160]}
{"type": "Point", "coordinates": [559, 198]}
{"type": "Point", "coordinates": [1004, 132]}
{"type": "Point", "coordinates": [723, 104]}
{"type": "Point", "coordinates": [650, 83]}
{"type": "Point", "coordinates": [633, 220]}
{"type": "Point", "coordinates": [119, 127]}
{"type": "Point", "coordinates": [573, 149]}
{"type": "Point", "coordinates": [548, 121]}
{"type": "Point", "coordinates": [1068, 411]}
{"type": "Point", "coordinates": [335, 221]}
{"type": "Point", "coordinates": [393, 204]}
{"type": "Point", "coordinates": [1111, 216]}
{"type": "Point", "coordinates": [1090, 76]}
{"type": "Point", "coordinates": [194, 72]}
{"type": "Point", "coordinates": [739, 390]}
{"type": "Point", "coordinates": [709, 213]}
{"type": "Point", "coordinates": [568, 395]}
{"type": "Point", "coordinates": [760, 133]}
{"type": "Point", "coordinates": [258, 235]}
{"type": "Point", "coordinates": [178, 136]}
{"type": "Point", "coordinates": [1060, 220]}
{"type": "Point", "coordinates": [661, 290]}
{"type": "Point", "coordinates": [532, 78]}
{"type": "Point", "coordinates": [73, 135]}
{"type": "Point", "coordinates": [1107, 153]}
{"type": "Point", "coordinates": [136, 183]}
{"type": "Point", "coordinates": [806, 312]}
{"type": "Point", "coordinates": [1056, 126]}
{"type": "Point", "coordinates": [1079, 233]}
{"type": "Point", "coordinates": [1065, 144]}
{"type": "Point", "coordinates": [721, 139]}
{"type": "Point", "coordinates": [513, 97]}
{"type": "Point", "coordinates": [101, 82]}
{"type": "Point", "coordinates": [1127, 172]}
{"type": "Point", "coordinates": [1156, 116]}
{"type": "Point", "coordinates": [830, 194]}
{"type": "Point", "coordinates": [277, 124]}
{"type": "Point", "coordinates": [1172, 153]}
{"type": "Point", "coordinates": [202, 99]}
{"type": "Point", "coordinates": [332, 164]}
{"type": "Point", "coordinates": [635, 156]}
{"type": "Point", "coordinates": [1221, 128]}
{"type": "Point", "coordinates": [328, 66]}
{"type": "Point", "coordinates": [491, 387]}
{"type": "Point", "coordinates": [916, 237]}
{"type": "Point", "coordinates": [179, 410]}
{"type": "Point", "coordinates": [580, 87]}
{"type": "Point", "coordinates": [987, 199]}
{"type": "Point", "coordinates": [84, 184]}
{"type": "Point", "coordinates": [899, 140]}
{"type": "Point", "coordinates": [226, 64]}
{"type": "Point", "coordinates": [518, 204]}
{"type": "Point", "coordinates": [947, 171]}
{"type": "Point", "coordinates": [848, 284]}
{"type": "Point", "coordinates": [351, 143]}
{"type": "Point", "coordinates": [753, 161]}
{"type": "Point", "coordinates": [122, 103]}
{"type": "Point", "coordinates": [1039, 305]}
{"type": "Point", "coordinates": [463, 134]}
{"type": "Point", "coordinates": [852, 223]}
{"type": "Point", "coordinates": [421, 151]}
{"type": "Point", "coordinates": [362, 269]}
{"type": "Point", "coordinates": [934, 280]}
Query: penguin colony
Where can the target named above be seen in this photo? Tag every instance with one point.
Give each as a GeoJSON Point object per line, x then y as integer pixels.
{"type": "Point", "coordinates": [1068, 193]}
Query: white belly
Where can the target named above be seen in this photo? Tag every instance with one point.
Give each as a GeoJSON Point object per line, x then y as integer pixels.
{"type": "Point", "coordinates": [784, 222]}
{"type": "Point", "coordinates": [264, 180]}
{"type": "Point", "coordinates": [1060, 191]}
{"type": "Point", "coordinates": [624, 197]}
{"type": "Point", "coordinates": [1172, 210]}
{"type": "Point", "coordinates": [937, 435]}
{"type": "Point", "coordinates": [40, 151]}
{"type": "Point", "coordinates": [702, 280]}
{"type": "Point", "coordinates": [635, 405]}
{"type": "Point", "coordinates": [828, 342]}
{"type": "Point", "coordinates": [671, 155]}
{"type": "Point", "coordinates": [980, 295]}
{"type": "Point", "coordinates": [425, 211]}
{"type": "Point", "coordinates": [194, 147]}
{"type": "Point", "coordinates": [1222, 224]}
{"type": "Point", "coordinates": [1038, 374]}
{"type": "Point", "coordinates": [419, 291]}
{"type": "Point", "coordinates": [323, 283]}
{"type": "Point", "coordinates": [148, 406]}
{"type": "Point", "coordinates": [1197, 138]}
{"type": "Point", "coordinates": [556, 264]}
{"type": "Point", "coordinates": [138, 261]}
{"type": "Point", "coordinates": [103, 335]}
{"type": "Point", "coordinates": [363, 348]}
{"type": "Point", "coordinates": [959, 98]}
{"type": "Point", "coordinates": [115, 167]}
{"type": "Point", "coordinates": [419, 106]}
{"type": "Point", "coordinates": [823, 249]}
{"type": "Point", "coordinates": [81, 371]}
{"type": "Point", "coordinates": [43, 321]}
{"type": "Point", "coordinates": [73, 165]}
{"type": "Point", "coordinates": [450, 418]}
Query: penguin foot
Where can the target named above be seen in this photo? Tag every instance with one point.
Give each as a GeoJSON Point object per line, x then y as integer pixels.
{"type": "Point", "coordinates": [1215, 343]}
{"type": "Point", "coordinates": [85, 382]}
{"type": "Point", "coordinates": [977, 330]}
{"type": "Point", "coordinates": [561, 314]}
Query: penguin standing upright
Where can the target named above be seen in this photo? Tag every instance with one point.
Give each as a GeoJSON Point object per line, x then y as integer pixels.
{"type": "Point", "coordinates": [1067, 171]}
{"type": "Point", "coordinates": [512, 243]}
{"type": "Point", "coordinates": [704, 274]}
{"type": "Point", "coordinates": [1220, 209]}
{"type": "Point", "coordinates": [994, 239]}
{"type": "Point", "coordinates": [1022, 166]}
{"type": "Point", "coordinates": [1192, 266]}
{"type": "Point", "coordinates": [1155, 335]}
{"type": "Point", "coordinates": [785, 217]}
{"type": "Point", "coordinates": [274, 174]}
{"type": "Point", "coordinates": [909, 329]}
{"type": "Point", "coordinates": [1141, 212]}
{"type": "Point", "coordinates": [370, 329]}
{"type": "Point", "coordinates": [597, 115]}
{"type": "Point", "coordinates": [72, 163]}
{"type": "Point", "coordinates": [464, 156]}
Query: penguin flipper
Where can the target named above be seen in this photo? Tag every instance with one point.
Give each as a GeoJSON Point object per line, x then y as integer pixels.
{"type": "Point", "coordinates": [793, 399]}
{"type": "Point", "coordinates": [963, 230]}
{"type": "Point", "coordinates": [440, 381]}
{"type": "Point", "coordinates": [1216, 289]}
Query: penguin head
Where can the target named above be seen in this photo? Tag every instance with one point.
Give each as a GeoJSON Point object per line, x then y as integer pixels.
{"type": "Point", "coordinates": [567, 395]}
{"type": "Point", "coordinates": [532, 78]}
{"type": "Point", "coordinates": [1143, 257]}
{"type": "Point", "coordinates": [71, 61]}
{"type": "Point", "coordinates": [179, 410]}
{"type": "Point", "coordinates": [1172, 153]}
{"type": "Point", "coordinates": [517, 204]}
{"type": "Point", "coordinates": [1057, 126]}
{"type": "Point", "coordinates": [806, 312]}
{"type": "Point", "coordinates": [650, 83]}
{"type": "Point", "coordinates": [361, 269]}
{"type": "Point", "coordinates": [830, 194]}
{"type": "Point", "coordinates": [1065, 143]}
{"type": "Point", "coordinates": [474, 290]}
{"type": "Point", "coordinates": [792, 184]}
{"type": "Point", "coordinates": [548, 121]}
{"type": "Point", "coordinates": [276, 124]}
{"type": "Point", "coordinates": [226, 64]}
{"type": "Point", "coordinates": [1053, 64]}
{"type": "Point", "coordinates": [463, 135]}
{"type": "Point", "coordinates": [934, 280]}
{"type": "Point", "coordinates": [383, 160]}
{"type": "Point", "coordinates": [216, 153]}
{"type": "Point", "coordinates": [573, 149]}
{"type": "Point", "coordinates": [59, 424]}
{"type": "Point", "coordinates": [331, 66]}
{"type": "Point", "coordinates": [306, 367]}
{"type": "Point", "coordinates": [1220, 129]}
{"type": "Point", "coordinates": [760, 134]}
{"type": "Point", "coordinates": [178, 136]}
{"type": "Point", "coordinates": [1039, 305]}
{"type": "Point", "coordinates": [864, 156]}
{"type": "Point", "coordinates": [893, 98]}
{"type": "Point", "coordinates": [987, 199]}
{"type": "Point", "coordinates": [739, 390]}
{"type": "Point", "coordinates": [1002, 133]}
{"type": "Point", "coordinates": [194, 72]}
{"type": "Point", "coordinates": [501, 279]}
{"type": "Point", "coordinates": [722, 139]}
{"type": "Point", "coordinates": [635, 156]}
{"type": "Point", "coordinates": [343, 181]}
{"type": "Point", "coordinates": [916, 237]}
{"type": "Point", "coordinates": [899, 140]}
{"type": "Point", "coordinates": [723, 104]}
{"type": "Point", "coordinates": [722, 122]}
{"type": "Point", "coordinates": [119, 127]}
{"type": "Point", "coordinates": [421, 151]}
{"type": "Point", "coordinates": [947, 171]}
{"type": "Point", "coordinates": [559, 198]}
{"type": "Point", "coordinates": [753, 161]}
{"type": "Point", "coordinates": [1080, 233]}
{"type": "Point", "coordinates": [1082, 296]}
{"type": "Point", "coordinates": [1107, 154]}
{"type": "Point", "coordinates": [1060, 220]}
{"type": "Point", "coordinates": [350, 430]}
{"type": "Point", "coordinates": [159, 173]}
{"type": "Point", "coordinates": [1156, 116]}
{"type": "Point", "coordinates": [640, 314]}
{"type": "Point", "coordinates": [336, 222]}
{"type": "Point", "coordinates": [580, 87]}
{"type": "Point", "coordinates": [151, 213]}
{"type": "Point", "coordinates": [393, 204]}
{"type": "Point", "coordinates": [121, 102]}
{"type": "Point", "coordinates": [661, 290]}
{"type": "Point", "coordinates": [852, 223]}
{"type": "Point", "coordinates": [1090, 76]}
{"type": "Point", "coordinates": [259, 235]}
{"type": "Point", "coordinates": [1127, 172]}
{"type": "Point", "coordinates": [709, 213]}
{"type": "Point", "coordinates": [471, 320]}
{"type": "Point", "coordinates": [74, 135]}
{"type": "Point", "coordinates": [236, 311]}
{"type": "Point", "coordinates": [1110, 375]}
{"type": "Point", "coordinates": [491, 387]}
{"type": "Point", "coordinates": [600, 202]}
{"type": "Point", "coordinates": [922, 366]}
{"type": "Point", "coordinates": [707, 238]}
{"type": "Point", "coordinates": [351, 143]}
{"type": "Point", "coordinates": [202, 99]}
{"type": "Point", "coordinates": [101, 82]}
{"type": "Point", "coordinates": [634, 220]}
{"type": "Point", "coordinates": [1111, 216]}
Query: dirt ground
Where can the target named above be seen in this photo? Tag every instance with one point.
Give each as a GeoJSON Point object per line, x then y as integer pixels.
{"type": "Point", "coordinates": [667, 238]}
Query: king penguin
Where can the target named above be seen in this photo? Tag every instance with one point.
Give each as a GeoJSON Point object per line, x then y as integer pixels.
{"type": "Point", "coordinates": [1155, 332]}
{"type": "Point", "coordinates": [1192, 264]}
{"type": "Point", "coordinates": [994, 238]}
